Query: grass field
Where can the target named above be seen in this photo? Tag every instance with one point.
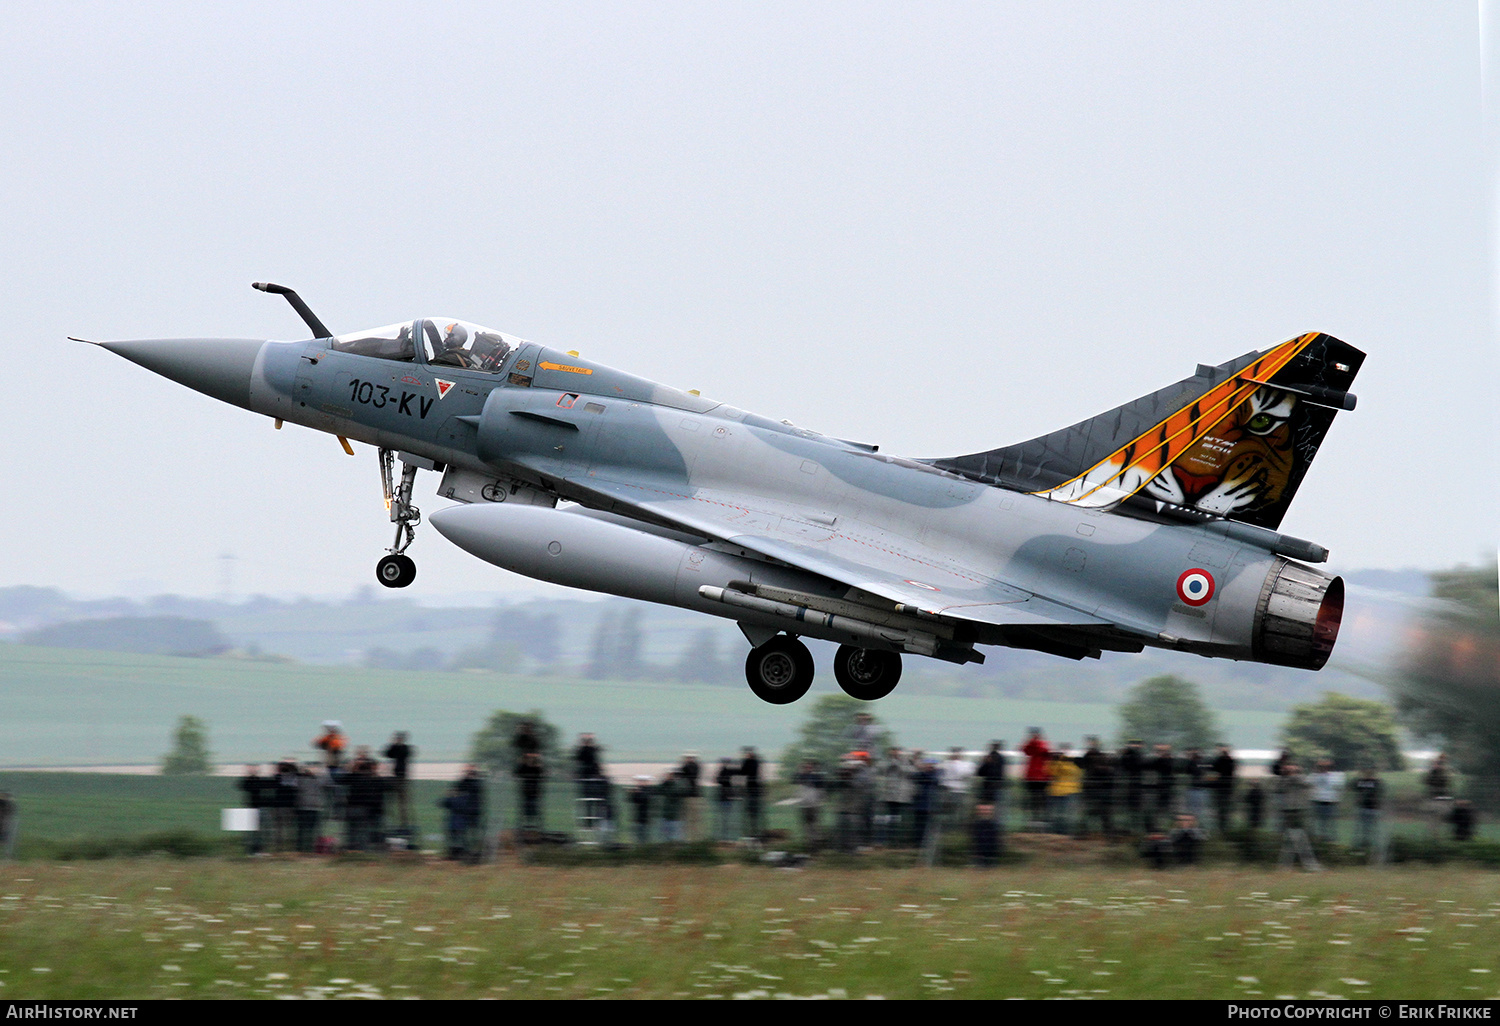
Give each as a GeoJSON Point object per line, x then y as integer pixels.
{"type": "Point", "coordinates": [210, 928]}
{"type": "Point", "coordinates": [407, 926]}
{"type": "Point", "coordinates": [80, 708]}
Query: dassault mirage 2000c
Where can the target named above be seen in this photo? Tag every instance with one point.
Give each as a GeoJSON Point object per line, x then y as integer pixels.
{"type": "Point", "coordinates": [1153, 524]}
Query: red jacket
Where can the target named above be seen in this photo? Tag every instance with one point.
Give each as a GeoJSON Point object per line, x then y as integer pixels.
{"type": "Point", "coordinates": [1037, 752]}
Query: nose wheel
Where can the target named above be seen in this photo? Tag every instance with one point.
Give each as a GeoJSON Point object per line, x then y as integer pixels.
{"type": "Point", "coordinates": [397, 569]}
{"type": "Point", "coordinates": [780, 671]}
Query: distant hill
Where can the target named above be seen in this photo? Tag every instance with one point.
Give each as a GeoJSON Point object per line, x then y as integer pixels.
{"type": "Point", "coordinates": [146, 635]}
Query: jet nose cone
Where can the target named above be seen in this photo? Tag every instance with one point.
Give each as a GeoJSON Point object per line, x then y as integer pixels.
{"type": "Point", "coordinates": [220, 367]}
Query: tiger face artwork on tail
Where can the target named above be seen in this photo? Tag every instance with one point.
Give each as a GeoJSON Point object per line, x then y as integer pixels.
{"type": "Point", "coordinates": [1244, 463]}
{"type": "Point", "coordinates": [1200, 431]}
{"type": "Point", "coordinates": [1233, 441]}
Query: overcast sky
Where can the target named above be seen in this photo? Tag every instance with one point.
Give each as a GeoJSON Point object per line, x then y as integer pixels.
{"type": "Point", "coordinates": [938, 227]}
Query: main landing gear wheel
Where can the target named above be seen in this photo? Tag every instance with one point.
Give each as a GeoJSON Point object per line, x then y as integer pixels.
{"type": "Point", "coordinates": [780, 671]}
{"type": "Point", "coordinates": [866, 673]}
{"type": "Point", "coordinates": [396, 571]}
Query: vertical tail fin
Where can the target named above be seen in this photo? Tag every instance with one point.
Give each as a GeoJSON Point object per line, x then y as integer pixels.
{"type": "Point", "coordinates": [1232, 441]}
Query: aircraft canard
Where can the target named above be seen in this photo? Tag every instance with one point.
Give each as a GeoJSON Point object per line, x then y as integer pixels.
{"type": "Point", "coordinates": [1154, 524]}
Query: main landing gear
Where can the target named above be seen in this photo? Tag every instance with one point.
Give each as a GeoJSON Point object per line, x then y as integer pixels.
{"type": "Point", "coordinates": [866, 673]}
{"type": "Point", "coordinates": [397, 569]}
{"type": "Point", "coordinates": [781, 671]}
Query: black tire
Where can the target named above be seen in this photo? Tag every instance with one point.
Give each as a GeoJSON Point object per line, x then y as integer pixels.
{"type": "Point", "coordinates": [866, 673]}
{"type": "Point", "coordinates": [780, 671]}
{"type": "Point", "coordinates": [396, 571]}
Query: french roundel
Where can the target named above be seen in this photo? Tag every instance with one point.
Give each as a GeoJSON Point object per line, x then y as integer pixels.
{"type": "Point", "coordinates": [1195, 586]}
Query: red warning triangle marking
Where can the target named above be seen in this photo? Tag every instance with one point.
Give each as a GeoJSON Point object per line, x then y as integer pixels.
{"type": "Point", "coordinates": [443, 387]}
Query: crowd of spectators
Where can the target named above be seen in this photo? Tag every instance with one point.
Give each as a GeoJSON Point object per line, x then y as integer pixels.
{"type": "Point", "coordinates": [1169, 802]}
{"type": "Point", "coordinates": [1166, 802]}
{"type": "Point", "coordinates": [341, 801]}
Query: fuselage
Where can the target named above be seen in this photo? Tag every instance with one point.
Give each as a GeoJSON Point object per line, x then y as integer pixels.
{"type": "Point", "coordinates": [533, 425]}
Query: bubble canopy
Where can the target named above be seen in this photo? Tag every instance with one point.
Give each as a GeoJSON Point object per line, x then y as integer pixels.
{"type": "Point", "coordinates": [445, 342]}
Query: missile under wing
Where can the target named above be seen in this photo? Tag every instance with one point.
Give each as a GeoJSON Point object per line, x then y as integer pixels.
{"type": "Point", "coordinates": [1153, 524]}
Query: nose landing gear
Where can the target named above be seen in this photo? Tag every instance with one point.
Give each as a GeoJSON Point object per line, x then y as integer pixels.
{"type": "Point", "coordinates": [397, 569]}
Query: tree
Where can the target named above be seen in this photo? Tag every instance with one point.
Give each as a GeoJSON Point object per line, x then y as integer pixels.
{"type": "Point", "coordinates": [699, 661]}
{"type": "Point", "coordinates": [1353, 732]}
{"type": "Point", "coordinates": [493, 746]}
{"type": "Point", "coordinates": [825, 736]}
{"type": "Point", "coordinates": [1450, 674]}
{"type": "Point", "coordinates": [616, 650]}
{"type": "Point", "coordinates": [189, 755]}
{"type": "Point", "coordinates": [518, 642]}
{"type": "Point", "coordinates": [1168, 710]}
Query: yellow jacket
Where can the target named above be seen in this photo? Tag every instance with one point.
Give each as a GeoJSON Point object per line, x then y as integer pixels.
{"type": "Point", "coordinates": [1067, 778]}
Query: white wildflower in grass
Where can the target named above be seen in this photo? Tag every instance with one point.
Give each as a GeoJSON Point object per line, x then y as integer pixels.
{"type": "Point", "coordinates": [171, 968]}
{"type": "Point", "coordinates": [1351, 981]}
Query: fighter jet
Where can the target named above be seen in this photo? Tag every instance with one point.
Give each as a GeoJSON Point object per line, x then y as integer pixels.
{"type": "Point", "coordinates": [1154, 524]}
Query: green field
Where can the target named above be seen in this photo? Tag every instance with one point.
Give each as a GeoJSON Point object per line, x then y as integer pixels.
{"type": "Point", "coordinates": [209, 928]}
{"type": "Point", "coordinates": [59, 811]}
{"type": "Point", "coordinates": [72, 708]}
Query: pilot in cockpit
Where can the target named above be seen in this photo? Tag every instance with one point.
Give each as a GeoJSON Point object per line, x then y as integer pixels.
{"type": "Point", "coordinates": [465, 345]}
{"type": "Point", "coordinates": [451, 348]}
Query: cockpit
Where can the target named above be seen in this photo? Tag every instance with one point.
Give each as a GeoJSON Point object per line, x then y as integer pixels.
{"type": "Point", "coordinates": [444, 342]}
{"type": "Point", "coordinates": [460, 344]}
